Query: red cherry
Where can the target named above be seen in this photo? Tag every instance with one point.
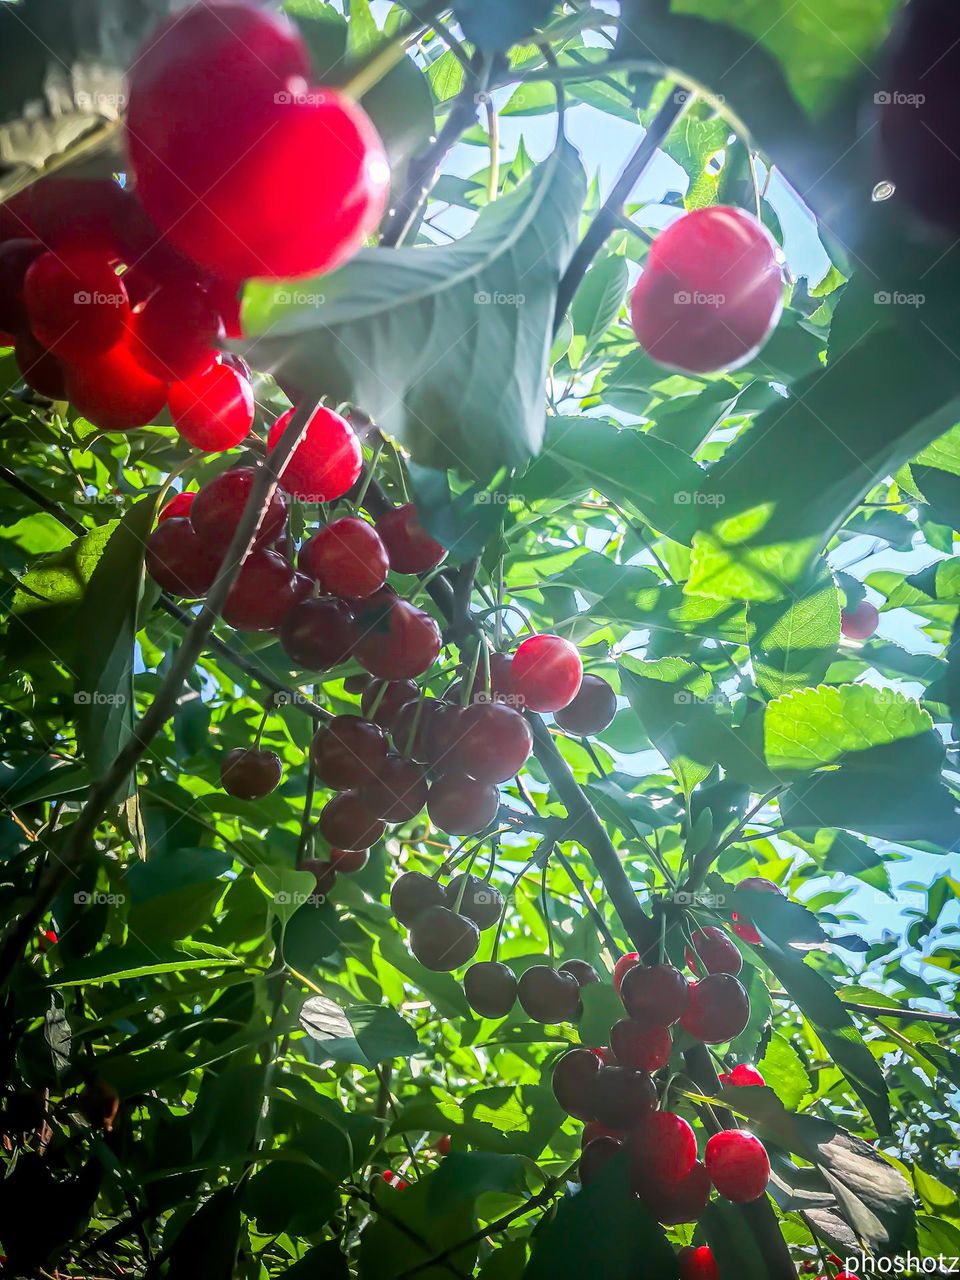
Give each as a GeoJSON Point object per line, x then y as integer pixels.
{"type": "Point", "coordinates": [861, 622]}
{"type": "Point", "coordinates": [327, 461]}
{"type": "Point", "coordinates": [547, 673]}
{"type": "Point", "coordinates": [674, 1202]}
{"type": "Point", "coordinates": [318, 634]}
{"type": "Point", "coordinates": [644, 1048]}
{"type": "Point", "coordinates": [664, 1146]}
{"type": "Point", "coordinates": [114, 392]}
{"type": "Point", "coordinates": [591, 711]}
{"type": "Point", "coordinates": [595, 1156]}
{"type": "Point", "coordinates": [346, 823]}
{"type": "Point", "coordinates": [443, 736]}
{"type": "Point", "coordinates": [742, 928]}
{"type": "Point", "coordinates": [16, 257]}
{"type": "Point", "coordinates": [714, 951]}
{"type": "Point", "coordinates": [622, 1097]}
{"type": "Point", "coordinates": [738, 1165]}
{"type": "Point", "coordinates": [399, 792]}
{"type": "Point", "coordinates": [347, 558]}
{"type": "Point", "coordinates": [443, 1145]}
{"type": "Point", "coordinates": [655, 995]}
{"type": "Point", "coordinates": [409, 546]}
{"type": "Point", "coordinates": [411, 728]}
{"type": "Point", "coordinates": [218, 506]}
{"type": "Point", "coordinates": [719, 1009]}
{"type": "Point", "coordinates": [573, 1081]}
{"type": "Point", "coordinates": [495, 742]}
{"type": "Point", "coordinates": [460, 806]}
{"type": "Point", "coordinates": [743, 1075]}
{"type": "Point", "coordinates": [177, 508]}
{"type": "Point", "coordinates": [213, 409]}
{"type": "Point", "coordinates": [175, 331]}
{"type": "Point", "coordinates": [594, 1129]}
{"type": "Point", "coordinates": [323, 872]}
{"type": "Point", "coordinates": [349, 861]}
{"type": "Point", "coordinates": [261, 594]}
{"type": "Point", "coordinates": [388, 704]}
{"type": "Point", "coordinates": [76, 302]}
{"type": "Point", "coordinates": [710, 293]}
{"type": "Point", "coordinates": [397, 640]}
{"type": "Point", "coordinates": [177, 560]}
{"type": "Point", "coordinates": [623, 966]}
{"type": "Point", "coordinates": [249, 773]}
{"type": "Point", "coordinates": [40, 368]}
{"type": "Point", "coordinates": [698, 1263]}
{"type": "Point", "coordinates": [348, 753]}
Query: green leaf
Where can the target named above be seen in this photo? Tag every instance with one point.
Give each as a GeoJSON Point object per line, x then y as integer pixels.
{"type": "Point", "coordinates": [784, 1072]}
{"type": "Point", "coordinates": [597, 304]}
{"type": "Point", "coordinates": [207, 1244]}
{"type": "Point", "coordinates": [323, 1262]}
{"type": "Point", "coordinates": [602, 1007]}
{"type": "Point", "coordinates": [477, 404]}
{"type": "Point", "coordinates": [116, 963]}
{"type": "Point", "coordinates": [902, 808]}
{"type": "Point", "coordinates": [366, 1034]}
{"type": "Point", "coordinates": [289, 1195]}
{"type": "Point", "coordinates": [736, 1251]}
{"type": "Point", "coordinates": [792, 643]}
{"type": "Point", "coordinates": [497, 24]}
{"type": "Point", "coordinates": [669, 697]}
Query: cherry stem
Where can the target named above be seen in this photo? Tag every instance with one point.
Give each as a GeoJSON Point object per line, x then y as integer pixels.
{"type": "Point", "coordinates": [415, 726]}
{"type": "Point", "coordinates": [466, 694]}
{"type": "Point", "coordinates": [464, 879]}
{"type": "Point", "coordinates": [545, 908]}
{"type": "Point", "coordinates": [368, 477]}
{"type": "Point", "coordinates": [262, 725]}
{"type": "Point", "coordinates": [378, 698]}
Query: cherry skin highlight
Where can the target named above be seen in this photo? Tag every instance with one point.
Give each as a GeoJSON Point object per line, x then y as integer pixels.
{"type": "Point", "coordinates": [347, 558]}
{"type": "Point", "coordinates": [591, 711]}
{"type": "Point", "coordinates": [738, 1165]}
{"type": "Point", "coordinates": [409, 546]}
{"type": "Point", "coordinates": [710, 293]}
{"type": "Point", "coordinates": [213, 409]}
{"type": "Point", "coordinates": [546, 673]}
{"type": "Point", "coordinates": [327, 461]}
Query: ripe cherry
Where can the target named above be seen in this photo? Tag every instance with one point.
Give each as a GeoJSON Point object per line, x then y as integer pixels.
{"type": "Point", "coordinates": [495, 742]}
{"type": "Point", "coordinates": [347, 558]}
{"type": "Point", "coordinates": [713, 951]}
{"type": "Point", "coordinates": [348, 753]}
{"type": "Point", "coordinates": [99, 1103]}
{"type": "Point", "coordinates": [318, 634]}
{"type": "Point", "coordinates": [327, 461]}
{"type": "Point", "coordinates": [114, 392]}
{"type": "Point", "coordinates": [412, 893]}
{"type": "Point", "coordinates": [594, 1129]}
{"type": "Point", "coordinates": [262, 592]}
{"type": "Point", "coordinates": [710, 293]}
{"type": "Point", "coordinates": [397, 641]}
{"type": "Point", "coordinates": [546, 673]}
{"type": "Point", "coordinates": [501, 683]}
{"type": "Point", "coordinates": [460, 806]}
{"type": "Point", "coordinates": [218, 506]}
{"type": "Point", "coordinates": [742, 1075]}
{"type": "Point", "coordinates": [622, 1096]}
{"type": "Point", "coordinates": [443, 940]}
{"type": "Point", "coordinates": [40, 368]}
{"type": "Point", "coordinates": [76, 303]}
{"type": "Point", "coordinates": [546, 995]}
{"type": "Point", "coordinates": [591, 711]}
{"type": "Point", "coordinates": [582, 970]}
{"type": "Point", "coordinates": [595, 1156]}
{"type": "Point", "coordinates": [349, 861]}
{"type": "Point", "coordinates": [443, 735]}
{"type": "Point", "coordinates": [674, 1202]}
{"type": "Point", "coordinates": [860, 622]}
{"type": "Point", "coordinates": [490, 988]}
{"type": "Point", "coordinates": [16, 257]}
{"type": "Point", "coordinates": [178, 561]}
{"type": "Point", "coordinates": [213, 409]}
{"type": "Point", "coordinates": [346, 823]}
{"type": "Point", "coordinates": [323, 871]}
{"type": "Point", "coordinates": [176, 330]}
{"type": "Point", "coordinates": [178, 507]}
{"type": "Point", "coordinates": [623, 966]}
{"type": "Point", "coordinates": [481, 902]}
{"type": "Point", "coordinates": [383, 704]}
{"type": "Point", "coordinates": [655, 995]}
{"type": "Point", "coordinates": [719, 1009]}
{"type": "Point", "coordinates": [249, 773]}
{"type": "Point", "coordinates": [643, 1048]}
{"type": "Point", "coordinates": [743, 928]}
{"type": "Point", "coordinates": [443, 1145]}
{"type": "Point", "coordinates": [409, 546]}
{"type": "Point", "coordinates": [663, 1146]}
{"type": "Point", "coordinates": [411, 728]}
{"type": "Point", "coordinates": [399, 791]}
{"type": "Point", "coordinates": [698, 1263]}
{"type": "Point", "coordinates": [573, 1081]}
{"type": "Point", "coordinates": [738, 1165]}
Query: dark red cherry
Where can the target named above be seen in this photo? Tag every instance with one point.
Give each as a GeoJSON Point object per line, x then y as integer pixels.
{"type": "Point", "coordinates": [495, 742]}
{"type": "Point", "coordinates": [218, 506]}
{"type": "Point", "coordinates": [591, 711]}
{"type": "Point", "coordinates": [546, 673]}
{"type": "Point", "coordinates": [622, 1096]}
{"type": "Point", "coordinates": [178, 507]}
{"type": "Point", "coordinates": [397, 641]}
{"type": "Point", "coordinates": [249, 773]}
{"type": "Point", "coordinates": [412, 893]}
{"type": "Point", "coordinates": [674, 1202]}
{"type": "Point", "coordinates": [641, 1047]}
{"type": "Point", "coordinates": [347, 558]}
{"type": "Point", "coordinates": [410, 728]}
{"type": "Point", "coordinates": [663, 1146]}
{"type": "Point", "coordinates": [346, 823]}
{"type": "Point", "coordinates": [490, 988]}
{"type": "Point", "coordinates": [713, 952]}
{"type": "Point", "coordinates": [398, 792]}
{"type": "Point", "coordinates": [710, 293]}
{"type": "Point", "coordinates": [595, 1156]}
{"type": "Point", "coordinates": [325, 464]}
{"type": "Point", "coordinates": [743, 928]}
{"type": "Point", "coordinates": [349, 861]}
{"type": "Point", "coordinates": [442, 940]}
{"type": "Point", "coordinates": [719, 1009]}
{"type": "Point", "coordinates": [262, 592]}
{"type": "Point", "coordinates": [323, 872]}
{"type": "Point", "coordinates": [16, 256]}
{"type": "Point", "coordinates": [113, 391]}
{"type": "Point", "coordinates": [409, 546]}
{"type": "Point", "coordinates": [213, 408]}
{"type": "Point", "coordinates": [318, 634]}
{"type": "Point", "coordinates": [175, 332]}
{"type": "Point", "coordinates": [481, 902]}
{"type": "Point", "coordinates": [546, 995]}
{"type": "Point", "coordinates": [655, 995]}
{"type": "Point", "coordinates": [738, 1165]}
{"type": "Point", "coordinates": [348, 753]}
{"type": "Point", "coordinates": [443, 736]}
{"type": "Point", "coordinates": [178, 561]}
{"type": "Point", "coordinates": [573, 1082]}
{"type": "Point", "coordinates": [584, 972]}
{"type": "Point", "coordinates": [460, 806]}
{"type": "Point", "coordinates": [76, 303]}
{"type": "Point", "coordinates": [40, 368]}
{"type": "Point", "coordinates": [387, 701]}
{"type": "Point", "coordinates": [623, 966]}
